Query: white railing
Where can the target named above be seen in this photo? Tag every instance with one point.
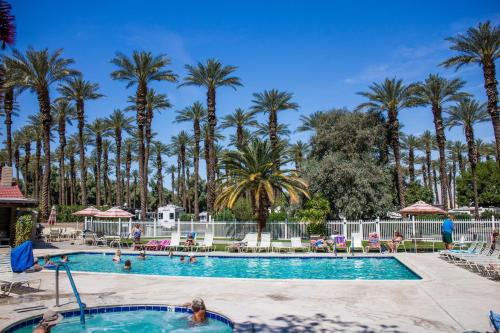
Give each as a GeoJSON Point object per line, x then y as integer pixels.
{"type": "Point", "coordinates": [469, 230]}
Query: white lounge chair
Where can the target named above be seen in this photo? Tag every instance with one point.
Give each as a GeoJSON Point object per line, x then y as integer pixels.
{"type": "Point", "coordinates": [207, 244]}
{"type": "Point", "coordinates": [265, 242]}
{"type": "Point", "coordinates": [240, 245]}
{"type": "Point", "coordinates": [175, 241]}
{"type": "Point", "coordinates": [356, 243]}
{"type": "Point", "coordinates": [8, 278]}
{"type": "Point", "coordinates": [251, 243]}
{"type": "Point", "coordinates": [297, 244]}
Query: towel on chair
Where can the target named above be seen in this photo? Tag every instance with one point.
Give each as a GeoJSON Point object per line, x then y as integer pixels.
{"type": "Point", "coordinates": [21, 257]}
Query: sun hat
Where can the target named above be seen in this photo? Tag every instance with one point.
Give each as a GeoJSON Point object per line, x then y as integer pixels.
{"type": "Point", "coordinates": [51, 318]}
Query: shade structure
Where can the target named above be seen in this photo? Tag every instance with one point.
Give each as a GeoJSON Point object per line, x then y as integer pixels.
{"type": "Point", "coordinates": [89, 211]}
{"type": "Point", "coordinates": [420, 207]}
{"type": "Point", "coordinates": [114, 212]}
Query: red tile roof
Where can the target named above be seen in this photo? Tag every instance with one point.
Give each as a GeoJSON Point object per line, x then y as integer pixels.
{"type": "Point", "coordinates": [9, 192]}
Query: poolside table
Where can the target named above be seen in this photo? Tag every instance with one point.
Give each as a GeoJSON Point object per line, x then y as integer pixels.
{"type": "Point", "coordinates": [422, 239]}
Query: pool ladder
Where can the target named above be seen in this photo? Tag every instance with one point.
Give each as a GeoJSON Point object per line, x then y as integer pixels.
{"type": "Point", "coordinates": [81, 305]}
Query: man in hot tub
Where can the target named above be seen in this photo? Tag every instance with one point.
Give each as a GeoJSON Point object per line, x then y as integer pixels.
{"type": "Point", "coordinates": [199, 310]}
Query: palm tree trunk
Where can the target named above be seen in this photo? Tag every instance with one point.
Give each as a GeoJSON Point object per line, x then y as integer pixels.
{"type": "Point", "coordinates": [239, 136]}
{"type": "Point", "coordinates": [62, 146]}
{"type": "Point", "coordinates": [469, 136]}
{"type": "Point", "coordinates": [273, 124]}
{"type": "Point", "coordinates": [27, 156]}
{"type": "Point", "coordinates": [212, 123]}
{"type": "Point", "coordinates": [107, 194]}
{"type": "Point", "coordinates": [18, 164]}
{"type": "Point", "coordinates": [206, 144]}
{"type": "Point", "coordinates": [179, 179]}
{"type": "Point", "coordinates": [141, 119]}
{"type": "Point", "coordinates": [490, 84]}
{"type": "Point", "coordinates": [196, 153]}
{"type": "Point", "coordinates": [118, 170]}
{"type": "Point", "coordinates": [160, 179]}
{"type": "Point", "coordinates": [441, 141]}
{"type": "Point", "coordinates": [424, 175]}
{"type": "Point", "coordinates": [436, 192]}
{"type": "Point", "coordinates": [128, 164]}
{"type": "Point", "coordinates": [429, 168]}
{"type": "Point", "coordinates": [461, 164]}
{"type": "Point", "coordinates": [98, 141]}
{"type": "Point", "coordinates": [411, 164]}
{"type": "Point", "coordinates": [80, 110]}
{"type": "Point", "coordinates": [450, 194]}
{"type": "Point", "coordinates": [394, 132]}
{"type": "Point", "coordinates": [135, 191]}
{"type": "Point", "coordinates": [38, 156]}
{"type": "Point", "coordinates": [183, 182]}
{"type": "Point", "coordinates": [72, 171]}
{"type": "Point", "coordinates": [147, 148]}
{"type": "Point", "coordinates": [173, 184]}
{"type": "Point", "coordinates": [46, 118]}
{"type": "Point", "coordinates": [8, 107]}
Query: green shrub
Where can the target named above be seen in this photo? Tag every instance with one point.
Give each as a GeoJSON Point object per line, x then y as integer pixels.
{"type": "Point", "coordinates": [488, 214]}
{"type": "Point", "coordinates": [317, 228]}
{"type": "Point", "coordinates": [24, 226]}
{"type": "Point", "coordinates": [186, 217]}
{"type": "Point", "coordinates": [277, 217]}
{"type": "Point", "coordinates": [315, 211]}
{"type": "Point", "coordinates": [64, 213]}
{"type": "Point", "coordinates": [224, 215]}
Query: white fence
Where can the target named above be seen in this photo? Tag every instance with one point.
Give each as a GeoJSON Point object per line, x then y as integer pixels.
{"type": "Point", "coordinates": [470, 230]}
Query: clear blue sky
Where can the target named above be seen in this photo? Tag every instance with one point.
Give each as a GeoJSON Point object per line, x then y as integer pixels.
{"type": "Point", "coordinates": [324, 51]}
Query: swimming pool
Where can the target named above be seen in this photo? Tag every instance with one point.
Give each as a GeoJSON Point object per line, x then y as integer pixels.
{"type": "Point", "coordinates": [131, 319]}
{"type": "Point", "coordinates": [324, 268]}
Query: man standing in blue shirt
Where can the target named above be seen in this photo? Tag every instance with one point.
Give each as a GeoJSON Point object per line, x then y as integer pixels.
{"type": "Point", "coordinates": [447, 231]}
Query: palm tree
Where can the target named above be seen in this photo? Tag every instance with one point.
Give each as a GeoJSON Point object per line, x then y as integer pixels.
{"type": "Point", "coordinates": [79, 91]}
{"type": "Point", "coordinates": [239, 119]}
{"type": "Point", "coordinates": [252, 170]}
{"type": "Point", "coordinates": [458, 149]}
{"type": "Point", "coordinates": [72, 150]}
{"type": "Point", "coordinates": [391, 96]}
{"type": "Point", "coordinates": [436, 91]}
{"type": "Point", "coordinates": [411, 142]}
{"type": "Point", "coordinates": [37, 132]}
{"type": "Point", "coordinates": [310, 122]}
{"type": "Point", "coordinates": [179, 145]}
{"type": "Point", "coordinates": [467, 113]}
{"type": "Point", "coordinates": [246, 136]}
{"type": "Point", "coordinates": [159, 150]}
{"type": "Point", "coordinates": [130, 148]}
{"type": "Point", "coordinates": [427, 141]}
{"type": "Point", "coordinates": [17, 138]}
{"type": "Point", "coordinates": [142, 69]}
{"type": "Point", "coordinates": [481, 45]}
{"type": "Point", "coordinates": [97, 129]}
{"type": "Point", "coordinates": [299, 151]}
{"type": "Point", "coordinates": [194, 113]}
{"type": "Point", "coordinates": [211, 75]}
{"type": "Point", "coordinates": [7, 26]}
{"type": "Point", "coordinates": [483, 149]}
{"type": "Point", "coordinates": [263, 130]}
{"type": "Point", "coordinates": [271, 102]}
{"type": "Point", "coordinates": [25, 140]}
{"type": "Point", "coordinates": [205, 133]}
{"type": "Point", "coordinates": [118, 122]}
{"type": "Point", "coordinates": [171, 170]}
{"type": "Point", "coordinates": [106, 147]}
{"type": "Point", "coordinates": [37, 70]}
{"type": "Point", "coordinates": [63, 111]}
{"type": "Point", "coordinates": [9, 109]}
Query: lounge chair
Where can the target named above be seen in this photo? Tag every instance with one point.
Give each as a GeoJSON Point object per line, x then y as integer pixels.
{"type": "Point", "coordinates": [265, 242]}
{"type": "Point", "coordinates": [373, 243]}
{"type": "Point", "coordinates": [339, 243]}
{"type": "Point", "coordinates": [279, 246]}
{"type": "Point", "coordinates": [207, 244]}
{"type": "Point", "coordinates": [175, 241]}
{"type": "Point", "coordinates": [8, 278]}
{"type": "Point", "coordinates": [163, 244]}
{"type": "Point", "coordinates": [251, 243]}
{"type": "Point", "coordinates": [152, 245]}
{"type": "Point", "coordinates": [240, 245]}
{"type": "Point", "coordinates": [356, 243]}
{"type": "Point", "coordinates": [296, 244]}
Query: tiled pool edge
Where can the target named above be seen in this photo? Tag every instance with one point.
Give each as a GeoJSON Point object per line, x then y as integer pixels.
{"type": "Point", "coordinates": [28, 321]}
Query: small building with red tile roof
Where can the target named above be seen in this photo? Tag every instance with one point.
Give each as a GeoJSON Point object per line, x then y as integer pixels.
{"type": "Point", "coordinates": [11, 198]}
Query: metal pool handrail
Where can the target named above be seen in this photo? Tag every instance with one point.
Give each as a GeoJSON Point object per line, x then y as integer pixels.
{"type": "Point", "coordinates": [81, 305]}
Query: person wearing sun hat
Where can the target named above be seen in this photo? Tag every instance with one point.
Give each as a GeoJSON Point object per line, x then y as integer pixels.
{"type": "Point", "coordinates": [49, 320]}
{"type": "Point", "coordinates": [199, 310]}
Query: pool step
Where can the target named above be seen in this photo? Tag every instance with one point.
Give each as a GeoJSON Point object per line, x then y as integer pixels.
{"type": "Point", "coordinates": [30, 308]}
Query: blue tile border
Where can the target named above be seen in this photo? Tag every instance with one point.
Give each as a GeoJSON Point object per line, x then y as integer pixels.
{"type": "Point", "coordinates": [122, 308]}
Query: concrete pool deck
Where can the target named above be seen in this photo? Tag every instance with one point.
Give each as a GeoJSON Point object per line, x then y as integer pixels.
{"type": "Point", "coordinates": [447, 299]}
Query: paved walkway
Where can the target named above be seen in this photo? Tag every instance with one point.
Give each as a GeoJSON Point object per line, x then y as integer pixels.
{"type": "Point", "coordinates": [447, 299]}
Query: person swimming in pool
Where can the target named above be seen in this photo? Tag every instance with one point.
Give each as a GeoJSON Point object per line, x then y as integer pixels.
{"type": "Point", "coordinates": [48, 261]}
{"type": "Point", "coordinates": [49, 320]}
{"type": "Point", "coordinates": [64, 258]}
{"type": "Point", "coordinates": [183, 259]}
{"type": "Point", "coordinates": [199, 310]}
{"type": "Point", "coordinates": [192, 259]}
{"type": "Point", "coordinates": [118, 256]}
{"type": "Point", "coordinates": [128, 265]}
{"type": "Point", "coordinates": [170, 253]}
{"type": "Point", "coordinates": [142, 255]}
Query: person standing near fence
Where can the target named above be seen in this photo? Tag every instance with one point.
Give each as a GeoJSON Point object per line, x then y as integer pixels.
{"type": "Point", "coordinates": [447, 231]}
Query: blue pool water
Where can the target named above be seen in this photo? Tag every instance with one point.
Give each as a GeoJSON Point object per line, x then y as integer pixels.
{"type": "Point", "coordinates": [137, 321]}
{"type": "Point", "coordinates": [333, 268]}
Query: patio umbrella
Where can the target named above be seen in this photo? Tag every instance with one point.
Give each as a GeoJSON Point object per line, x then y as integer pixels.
{"type": "Point", "coordinates": [118, 213]}
{"type": "Point", "coordinates": [52, 216]}
{"type": "Point", "coordinates": [421, 208]}
{"type": "Point", "coordinates": [89, 211]}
